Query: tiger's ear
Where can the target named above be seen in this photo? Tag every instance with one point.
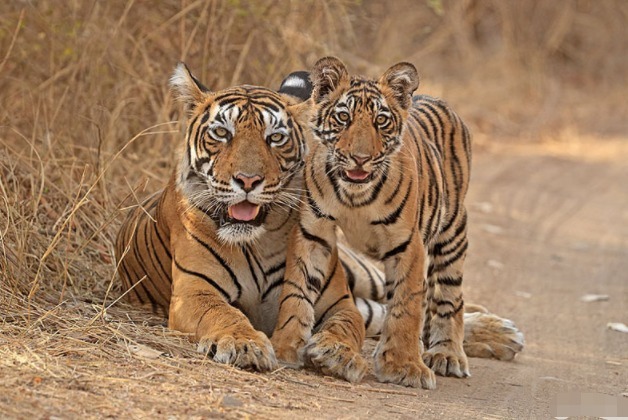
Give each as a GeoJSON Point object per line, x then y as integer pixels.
{"type": "Point", "coordinates": [186, 87]}
{"type": "Point", "coordinates": [403, 80]}
{"type": "Point", "coordinates": [328, 73]}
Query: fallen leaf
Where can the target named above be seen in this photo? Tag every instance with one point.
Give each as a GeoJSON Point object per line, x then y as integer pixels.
{"type": "Point", "coordinates": [617, 326]}
{"type": "Point", "coordinates": [494, 229]}
{"type": "Point", "coordinates": [144, 351]}
{"type": "Point", "coordinates": [231, 401]}
{"type": "Point", "coordinates": [495, 264]}
{"type": "Point", "coordinates": [484, 207]}
{"type": "Point", "coordinates": [551, 378]}
{"type": "Point", "coordinates": [594, 298]}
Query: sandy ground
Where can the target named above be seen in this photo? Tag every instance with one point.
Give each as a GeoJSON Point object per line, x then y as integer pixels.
{"type": "Point", "coordinates": [548, 225]}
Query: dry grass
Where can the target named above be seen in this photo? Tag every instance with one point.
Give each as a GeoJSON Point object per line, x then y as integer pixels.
{"type": "Point", "coordinates": [87, 127]}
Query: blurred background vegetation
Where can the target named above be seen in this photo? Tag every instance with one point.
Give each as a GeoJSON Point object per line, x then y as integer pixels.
{"type": "Point", "coordinates": [80, 80]}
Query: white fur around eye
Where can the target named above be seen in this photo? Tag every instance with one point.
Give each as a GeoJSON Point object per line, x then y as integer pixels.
{"type": "Point", "coordinates": [278, 143]}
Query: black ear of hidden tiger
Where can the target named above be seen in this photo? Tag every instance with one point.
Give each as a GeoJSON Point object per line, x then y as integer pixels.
{"type": "Point", "coordinates": [297, 84]}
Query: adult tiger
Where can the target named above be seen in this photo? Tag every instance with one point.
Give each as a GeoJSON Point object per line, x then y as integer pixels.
{"type": "Point", "coordinates": [392, 172]}
{"type": "Point", "coordinates": [209, 249]}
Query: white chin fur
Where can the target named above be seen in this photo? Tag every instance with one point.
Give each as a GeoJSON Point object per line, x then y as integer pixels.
{"type": "Point", "coordinates": [240, 234]}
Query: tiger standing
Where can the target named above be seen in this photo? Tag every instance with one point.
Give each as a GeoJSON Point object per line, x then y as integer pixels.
{"type": "Point", "coordinates": [391, 171]}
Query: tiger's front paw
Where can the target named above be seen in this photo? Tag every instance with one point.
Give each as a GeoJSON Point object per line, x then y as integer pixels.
{"type": "Point", "coordinates": [447, 360]}
{"type": "Point", "coordinates": [403, 369]}
{"type": "Point", "coordinates": [332, 357]}
{"type": "Point", "coordinates": [251, 350]}
{"type": "Point", "coordinates": [490, 336]}
{"type": "Point", "coordinates": [289, 350]}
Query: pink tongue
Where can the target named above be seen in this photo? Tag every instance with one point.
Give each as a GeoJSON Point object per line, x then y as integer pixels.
{"type": "Point", "coordinates": [244, 211]}
{"type": "Point", "coordinates": [357, 174]}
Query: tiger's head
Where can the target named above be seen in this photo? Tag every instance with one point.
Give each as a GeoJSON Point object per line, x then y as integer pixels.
{"type": "Point", "coordinates": [360, 120]}
{"type": "Point", "coordinates": [244, 147]}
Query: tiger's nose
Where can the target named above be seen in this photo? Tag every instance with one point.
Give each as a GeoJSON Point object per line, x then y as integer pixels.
{"type": "Point", "coordinates": [248, 182]}
{"type": "Point", "coordinates": [360, 159]}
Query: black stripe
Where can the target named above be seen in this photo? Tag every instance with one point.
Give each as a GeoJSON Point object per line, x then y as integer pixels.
{"type": "Point", "coordinates": [368, 273]}
{"type": "Point", "coordinates": [322, 318]}
{"type": "Point", "coordinates": [327, 283]}
{"type": "Point", "coordinates": [449, 281]}
{"type": "Point", "coordinates": [293, 317]}
{"type": "Point", "coordinates": [220, 260]}
{"type": "Point", "coordinates": [440, 266]}
{"type": "Point", "coordinates": [295, 295]}
{"type": "Point", "coordinates": [315, 209]}
{"type": "Point", "coordinates": [275, 269]}
{"type": "Point", "coordinates": [272, 287]}
{"type": "Point", "coordinates": [349, 274]}
{"type": "Point", "coordinates": [310, 237]}
{"type": "Point", "coordinates": [368, 321]}
{"type": "Point", "coordinates": [392, 217]}
{"type": "Point", "coordinates": [449, 315]}
{"type": "Point", "coordinates": [252, 269]}
{"type": "Point", "coordinates": [399, 248]}
{"type": "Point", "coordinates": [207, 279]}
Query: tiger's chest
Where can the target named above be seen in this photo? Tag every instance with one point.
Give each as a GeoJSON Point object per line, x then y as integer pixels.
{"type": "Point", "coordinates": [260, 276]}
{"type": "Point", "coordinates": [364, 233]}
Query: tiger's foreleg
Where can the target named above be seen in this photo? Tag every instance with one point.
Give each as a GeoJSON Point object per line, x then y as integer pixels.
{"type": "Point", "coordinates": [444, 335]}
{"type": "Point", "coordinates": [316, 297]}
{"type": "Point", "coordinates": [308, 268]}
{"type": "Point", "coordinates": [339, 330]}
{"type": "Point", "coordinates": [223, 332]}
{"type": "Point", "coordinates": [398, 353]}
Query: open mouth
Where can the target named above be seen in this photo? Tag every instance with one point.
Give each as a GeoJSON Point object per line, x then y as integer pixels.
{"type": "Point", "coordinates": [356, 175]}
{"type": "Point", "coordinates": [245, 212]}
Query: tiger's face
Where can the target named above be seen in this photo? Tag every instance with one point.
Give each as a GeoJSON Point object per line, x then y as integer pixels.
{"type": "Point", "coordinates": [244, 147]}
{"type": "Point", "coordinates": [360, 120]}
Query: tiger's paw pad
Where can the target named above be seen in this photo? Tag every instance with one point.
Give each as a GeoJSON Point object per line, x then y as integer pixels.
{"type": "Point", "coordinates": [325, 352]}
{"type": "Point", "coordinates": [408, 372]}
{"type": "Point", "coordinates": [252, 351]}
{"type": "Point", "coordinates": [445, 361]}
{"type": "Point", "coordinates": [489, 336]}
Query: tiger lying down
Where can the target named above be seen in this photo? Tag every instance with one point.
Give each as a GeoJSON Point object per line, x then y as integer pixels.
{"type": "Point", "coordinates": [209, 250]}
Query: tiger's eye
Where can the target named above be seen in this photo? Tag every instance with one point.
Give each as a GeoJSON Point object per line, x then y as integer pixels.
{"type": "Point", "coordinates": [381, 119]}
{"type": "Point", "coordinates": [220, 132]}
{"type": "Point", "coordinates": [276, 137]}
{"type": "Point", "coordinates": [343, 116]}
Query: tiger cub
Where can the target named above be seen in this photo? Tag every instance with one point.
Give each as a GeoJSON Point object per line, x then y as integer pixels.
{"type": "Point", "coordinates": [391, 171]}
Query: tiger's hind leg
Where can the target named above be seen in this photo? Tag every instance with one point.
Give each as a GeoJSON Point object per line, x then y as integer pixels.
{"type": "Point", "coordinates": [443, 334]}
